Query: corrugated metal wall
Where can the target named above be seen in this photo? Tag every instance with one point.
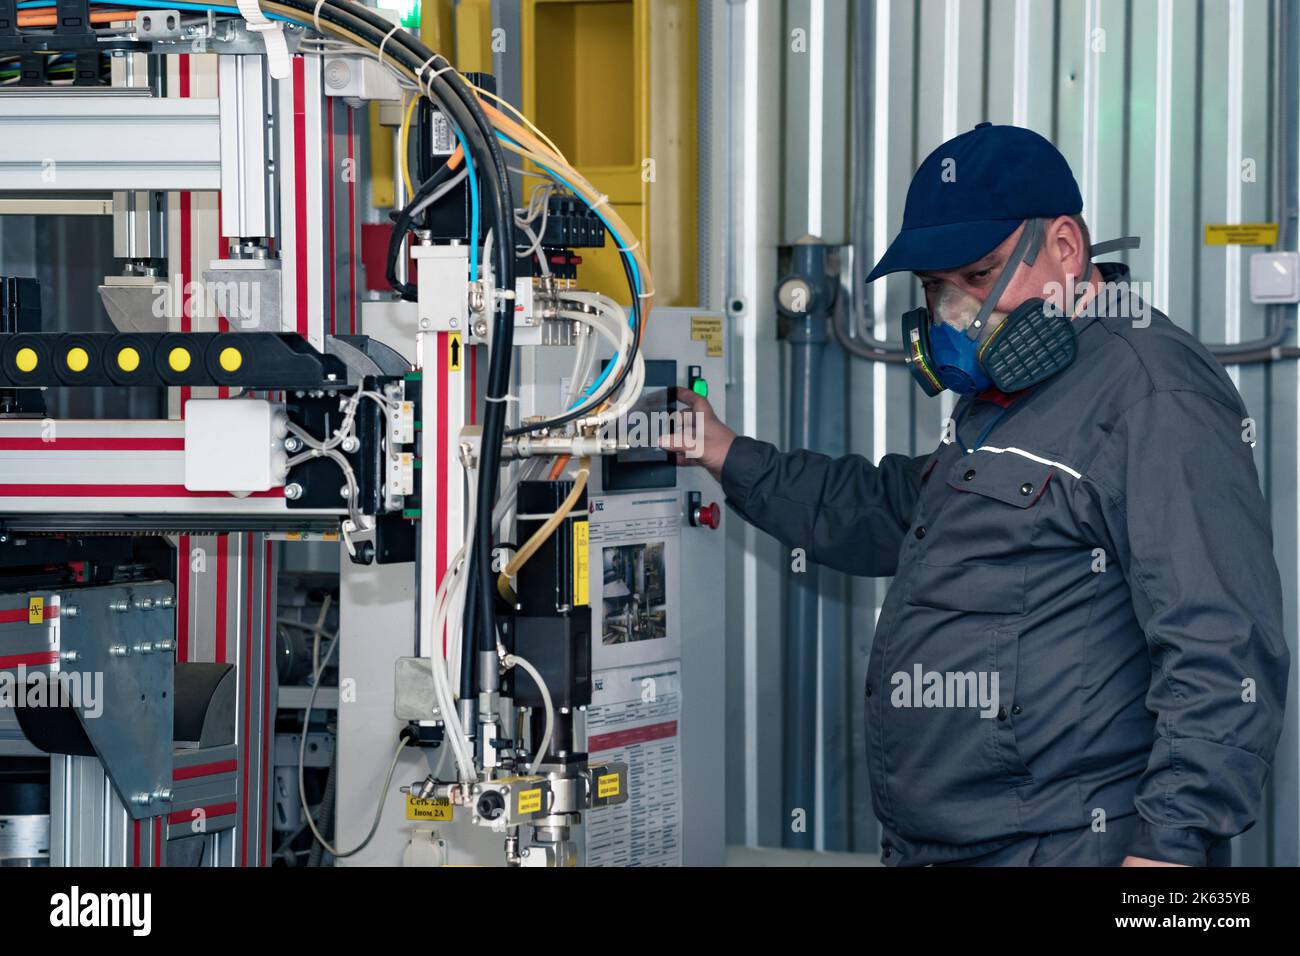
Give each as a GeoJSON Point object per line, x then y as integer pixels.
{"type": "Point", "coordinates": [1168, 111]}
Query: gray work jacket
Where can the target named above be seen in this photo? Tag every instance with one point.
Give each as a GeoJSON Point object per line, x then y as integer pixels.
{"type": "Point", "coordinates": [1101, 545]}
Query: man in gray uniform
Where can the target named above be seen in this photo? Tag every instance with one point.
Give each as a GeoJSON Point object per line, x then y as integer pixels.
{"type": "Point", "coordinates": [1088, 542]}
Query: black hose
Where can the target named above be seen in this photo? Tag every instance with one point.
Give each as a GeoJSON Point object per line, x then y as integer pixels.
{"type": "Point", "coordinates": [402, 224]}
{"type": "Point", "coordinates": [463, 108]}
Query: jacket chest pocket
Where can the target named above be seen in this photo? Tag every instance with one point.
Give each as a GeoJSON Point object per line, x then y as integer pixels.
{"type": "Point", "coordinates": [995, 500]}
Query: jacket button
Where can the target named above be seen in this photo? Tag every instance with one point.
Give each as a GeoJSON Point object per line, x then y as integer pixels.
{"type": "Point", "coordinates": [1002, 713]}
{"type": "Point", "coordinates": [969, 475]}
{"type": "Point", "coordinates": [1026, 489]}
{"type": "Point", "coordinates": [920, 533]}
{"type": "Point", "coordinates": [868, 690]}
{"type": "Point", "coordinates": [888, 852]}
{"type": "Point", "coordinates": [1016, 709]}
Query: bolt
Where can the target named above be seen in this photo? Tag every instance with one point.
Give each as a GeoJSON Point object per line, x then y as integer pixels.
{"type": "Point", "coordinates": [343, 492]}
{"type": "Point", "coordinates": [292, 443]}
{"type": "Point", "coordinates": [454, 323]}
{"type": "Point", "coordinates": [69, 657]}
{"type": "Point", "coordinates": [167, 601]}
{"type": "Point", "coordinates": [144, 604]}
{"type": "Point", "coordinates": [480, 328]}
{"type": "Point", "coordinates": [162, 795]}
{"type": "Point", "coordinates": [118, 650]}
{"type": "Point", "coordinates": [167, 645]}
{"type": "Point", "coordinates": [351, 444]}
{"type": "Point", "coordinates": [143, 799]}
{"type": "Point", "coordinates": [69, 610]}
{"type": "Point", "coordinates": [119, 606]}
{"type": "Point", "coordinates": [293, 491]}
{"type": "Point", "coordinates": [144, 647]}
{"type": "Point", "coordinates": [426, 323]}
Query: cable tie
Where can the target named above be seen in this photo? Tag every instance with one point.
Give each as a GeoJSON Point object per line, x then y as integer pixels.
{"type": "Point", "coordinates": [503, 398]}
{"type": "Point", "coordinates": [601, 200]}
{"type": "Point", "coordinates": [277, 48]}
{"type": "Point", "coordinates": [420, 72]}
{"type": "Point", "coordinates": [386, 38]}
{"type": "Point", "coordinates": [632, 248]}
{"type": "Point", "coordinates": [315, 15]}
{"type": "Point", "coordinates": [437, 73]}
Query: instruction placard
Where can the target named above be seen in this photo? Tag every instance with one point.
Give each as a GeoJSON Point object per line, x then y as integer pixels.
{"type": "Point", "coordinates": [1241, 234]}
{"type": "Point", "coordinates": [708, 329]}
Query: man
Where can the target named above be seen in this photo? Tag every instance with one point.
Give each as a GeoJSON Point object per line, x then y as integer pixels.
{"type": "Point", "coordinates": [1089, 542]}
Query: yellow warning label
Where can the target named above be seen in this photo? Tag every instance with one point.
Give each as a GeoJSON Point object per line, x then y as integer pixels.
{"type": "Point", "coordinates": [607, 785]}
{"type": "Point", "coordinates": [708, 329]}
{"type": "Point", "coordinates": [436, 810]}
{"type": "Point", "coordinates": [530, 801]}
{"type": "Point", "coordinates": [581, 562]}
{"type": "Point", "coordinates": [455, 352]}
{"type": "Point", "coordinates": [1241, 234]}
{"type": "Point", "coordinates": [36, 610]}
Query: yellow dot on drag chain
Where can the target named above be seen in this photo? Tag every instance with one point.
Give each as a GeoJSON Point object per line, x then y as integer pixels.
{"type": "Point", "coordinates": [128, 359]}
{"type": "Point", "coordinates": [26, 360]}
{"type": "Point", "coordinates": [178, 359]}
{"type": "Point", "coordinates": [78, 359]}
{"type": "Point", "coordinates": [230, 359]}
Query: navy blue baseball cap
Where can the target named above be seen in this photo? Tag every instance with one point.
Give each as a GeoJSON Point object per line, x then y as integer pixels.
{"type": "Point", "coordinates": [972, 192]}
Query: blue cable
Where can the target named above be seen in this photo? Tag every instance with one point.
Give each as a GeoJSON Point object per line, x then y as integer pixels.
{"type": "Point", "coordinates": [636, 274]}
{"type": "Point", "coordinates": [473, 209]}
{"type": "Point", "coordinates": [199, 7]}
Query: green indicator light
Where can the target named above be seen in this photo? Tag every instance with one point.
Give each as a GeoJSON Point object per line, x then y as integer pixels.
{"type": "Point", "coordinates": [700, 387]}
{"type": "Point", "coordinates": [411, 513]}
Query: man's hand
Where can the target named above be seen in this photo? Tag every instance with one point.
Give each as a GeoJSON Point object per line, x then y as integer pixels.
{"type": "Point", "coordinates": [703, 439]}
{"type": "Point", "coordinates": [1143, 861]}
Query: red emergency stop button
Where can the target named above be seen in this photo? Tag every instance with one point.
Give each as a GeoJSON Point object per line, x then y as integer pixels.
{"type": "Point", "coordinates": [710, 516]}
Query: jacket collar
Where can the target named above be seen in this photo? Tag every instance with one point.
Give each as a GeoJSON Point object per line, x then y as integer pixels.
{"type": "Point", "coordinates": [1111, 273]}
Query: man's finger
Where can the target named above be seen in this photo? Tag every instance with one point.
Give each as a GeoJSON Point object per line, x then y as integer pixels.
{"type": "Point", "coordinates": [698, 403]}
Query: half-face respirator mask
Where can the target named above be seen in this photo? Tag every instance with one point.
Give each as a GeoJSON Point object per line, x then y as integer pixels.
{"type": "Point", "coordinates": [967, 345]}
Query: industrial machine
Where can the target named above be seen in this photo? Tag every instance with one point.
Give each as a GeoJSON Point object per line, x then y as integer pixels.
{"type": "Point", "coordinates": [497, 670]}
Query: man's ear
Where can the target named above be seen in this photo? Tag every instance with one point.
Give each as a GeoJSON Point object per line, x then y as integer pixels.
{"type": "Point", "coordinates": [1065, 241]}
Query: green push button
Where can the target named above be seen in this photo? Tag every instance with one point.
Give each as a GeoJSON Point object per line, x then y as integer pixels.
{"type": "Point", "coordinates": [700, 387]}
